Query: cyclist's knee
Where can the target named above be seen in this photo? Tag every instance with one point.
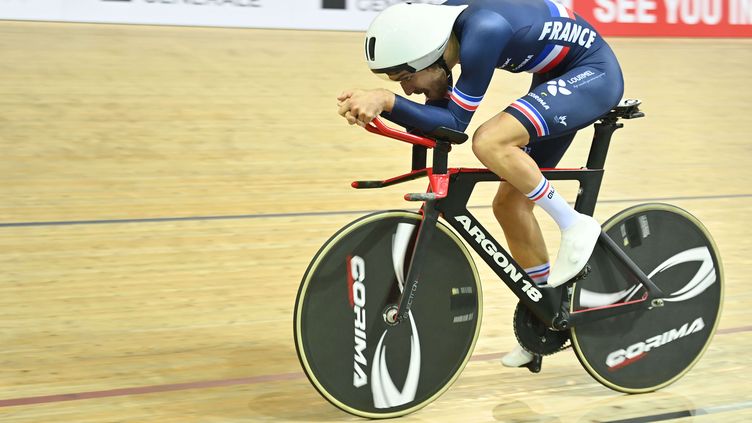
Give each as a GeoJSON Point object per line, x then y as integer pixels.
{"type": "Point", "coordinates": [495, 137]}
{"type": "Point", "coordinates": [487, 142]}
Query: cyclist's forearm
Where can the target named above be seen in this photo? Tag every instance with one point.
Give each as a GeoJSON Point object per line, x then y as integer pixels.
{"type": "Point", "coordinates": [422, 116]}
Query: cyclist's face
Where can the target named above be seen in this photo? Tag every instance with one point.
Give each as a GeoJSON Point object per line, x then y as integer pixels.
{"type": "Point", "coordinates": [432, 82]}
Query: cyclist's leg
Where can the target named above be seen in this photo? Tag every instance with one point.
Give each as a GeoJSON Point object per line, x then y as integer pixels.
{"type": "Point", "coordinates": [497, 144]}
{"type": "Point", "coordinates": [546, 152]}
{"type": "Point", "coordinates": [514, 211]}
{"type": "Point", "coordinates": [552, 109]}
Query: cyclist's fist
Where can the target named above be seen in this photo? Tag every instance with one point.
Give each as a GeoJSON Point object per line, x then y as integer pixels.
{"type": "Point", "coordinates": [361, 107]}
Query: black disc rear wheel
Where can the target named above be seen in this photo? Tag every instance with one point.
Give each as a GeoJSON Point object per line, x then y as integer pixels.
{"type": "Point", "coordinates": [646, 350]}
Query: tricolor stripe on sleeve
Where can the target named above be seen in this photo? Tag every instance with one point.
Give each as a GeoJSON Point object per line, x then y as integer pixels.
{"type": "Point", "coordinates": [467, 102]}
{"type": "Point", "coordinates": [541, 128]}
{"type": "Point", "coordinates": [551, 56]}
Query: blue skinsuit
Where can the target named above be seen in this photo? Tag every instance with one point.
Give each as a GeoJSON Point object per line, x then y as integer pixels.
{"type": "Point", "coordinates": [576, 77]}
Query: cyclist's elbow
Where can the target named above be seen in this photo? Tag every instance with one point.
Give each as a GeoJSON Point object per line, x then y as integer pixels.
{"type": "Point", "coordinates": [458, 125]}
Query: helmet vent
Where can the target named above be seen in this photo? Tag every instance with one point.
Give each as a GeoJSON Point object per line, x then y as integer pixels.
{"type": "Point", "coordinates": [371, 48]}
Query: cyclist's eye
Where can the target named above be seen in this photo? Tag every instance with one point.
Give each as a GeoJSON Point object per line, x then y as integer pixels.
{"type": "Point", "coordinates": [401, 76]}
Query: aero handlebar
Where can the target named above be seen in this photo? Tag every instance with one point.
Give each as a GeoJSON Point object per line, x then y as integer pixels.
{"type": "Point", "coordinates": [378, 127]}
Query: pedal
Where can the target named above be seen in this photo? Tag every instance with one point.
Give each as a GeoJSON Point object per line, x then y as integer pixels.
{"type": "Point", "coordinates": [535, 364]}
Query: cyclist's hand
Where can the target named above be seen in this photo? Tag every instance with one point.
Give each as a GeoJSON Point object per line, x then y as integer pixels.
{"type": "Point", "coordinates": [361, 107]}
{"type": "Point", "coordinates": [343, 105]}
{"type": "Point", "coordinates": [344, 96]}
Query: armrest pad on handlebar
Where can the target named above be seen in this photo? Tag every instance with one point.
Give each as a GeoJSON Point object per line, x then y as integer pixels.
{"type": "Point", "coordinates": [452, 136]}
{"type": "Point", "coordinates": [441, 133]}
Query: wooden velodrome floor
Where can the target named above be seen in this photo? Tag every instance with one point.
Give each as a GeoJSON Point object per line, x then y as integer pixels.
{"type": "Point", "coordinates": [164, 188]}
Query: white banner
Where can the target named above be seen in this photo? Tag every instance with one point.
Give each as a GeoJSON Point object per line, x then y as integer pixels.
{"type": "Point", "coordinates": [691, 18]}
{"type": "Point", "coordinates": [293, 14]}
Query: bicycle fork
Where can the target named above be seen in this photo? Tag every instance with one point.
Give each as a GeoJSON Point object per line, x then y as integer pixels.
{"type": "Point", "coordinates": [439, 184]}
{"type": "Point", "coordinates": [417, 261]}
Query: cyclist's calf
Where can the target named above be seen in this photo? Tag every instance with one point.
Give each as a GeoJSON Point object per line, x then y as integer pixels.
{"type": "Point", "coordinates": [510, 204]}
{"type": "Point", "coordinates": [514, 212]}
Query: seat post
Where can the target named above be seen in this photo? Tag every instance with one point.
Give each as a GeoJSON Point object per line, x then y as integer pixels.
{"type": "Point", "coordinates": [601, 141]}
{"type": "Point", "coordinates": [587, 197]}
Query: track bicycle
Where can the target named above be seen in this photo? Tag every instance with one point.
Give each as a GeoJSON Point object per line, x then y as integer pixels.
{"type": "Point", "coordinates": [389, 309]}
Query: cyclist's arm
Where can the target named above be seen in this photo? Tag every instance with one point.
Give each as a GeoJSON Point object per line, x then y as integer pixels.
{"type": "Point", "coordinates": [443, 103]}
{"type": "Point", "coordinates": [483, 39]}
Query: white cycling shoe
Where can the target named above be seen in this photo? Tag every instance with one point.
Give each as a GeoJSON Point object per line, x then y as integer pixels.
{"type": "Point", "coordinates": [577, 244]}
{"type": "Point", "coordinates": [518, 357]}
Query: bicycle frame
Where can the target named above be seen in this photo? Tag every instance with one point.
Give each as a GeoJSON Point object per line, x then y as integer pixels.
{"type": "Point", "coordinates": [448, 194]}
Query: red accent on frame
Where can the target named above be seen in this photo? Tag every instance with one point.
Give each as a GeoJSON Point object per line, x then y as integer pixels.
{"type": "Point", "coordinates": [439, 184]}
{"type": "Point", "coordinates": [404, 175]}
{"type": "Point", "coordinates": [545, 169]}
{"type": "Point", "coordinates": [454, 171]}
{"type": "Point", "coordinates": [483, 169]}
{"type": "Point", "coordinates": [378, 127]}
{"type": "Point", "coordinates": [355, 184]}
{"type": "Point", "coordinates": [644, 297]}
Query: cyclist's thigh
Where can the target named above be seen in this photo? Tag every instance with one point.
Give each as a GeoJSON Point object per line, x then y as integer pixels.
{"type": "Point", "coordinates": [569, 101]}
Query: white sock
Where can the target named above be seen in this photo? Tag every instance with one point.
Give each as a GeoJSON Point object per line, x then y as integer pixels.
{"type": "Point", "coordinates": [554, 204]}
{"type": "Point", "coordinates": [539, 274]}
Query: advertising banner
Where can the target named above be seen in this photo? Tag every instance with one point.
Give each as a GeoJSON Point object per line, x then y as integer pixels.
{"type": "Point", "coordinates": [683, 18]}
{"type": "Point", "coordinates": [283, 14]}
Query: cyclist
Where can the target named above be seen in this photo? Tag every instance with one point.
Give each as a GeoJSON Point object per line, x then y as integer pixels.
{"type": "Point", "coordinates": [575, 80]}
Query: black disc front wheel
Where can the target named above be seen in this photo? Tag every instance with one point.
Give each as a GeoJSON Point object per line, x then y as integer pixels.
{"type": "Point", "coordinates": [349, 350]}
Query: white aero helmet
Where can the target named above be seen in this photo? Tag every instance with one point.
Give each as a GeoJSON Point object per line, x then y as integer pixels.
{"type": "Point", "coordinates": [409, 36]}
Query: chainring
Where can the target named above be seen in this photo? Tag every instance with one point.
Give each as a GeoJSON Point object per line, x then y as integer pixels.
{"type": "Point", "coordinates": [535, 336]}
